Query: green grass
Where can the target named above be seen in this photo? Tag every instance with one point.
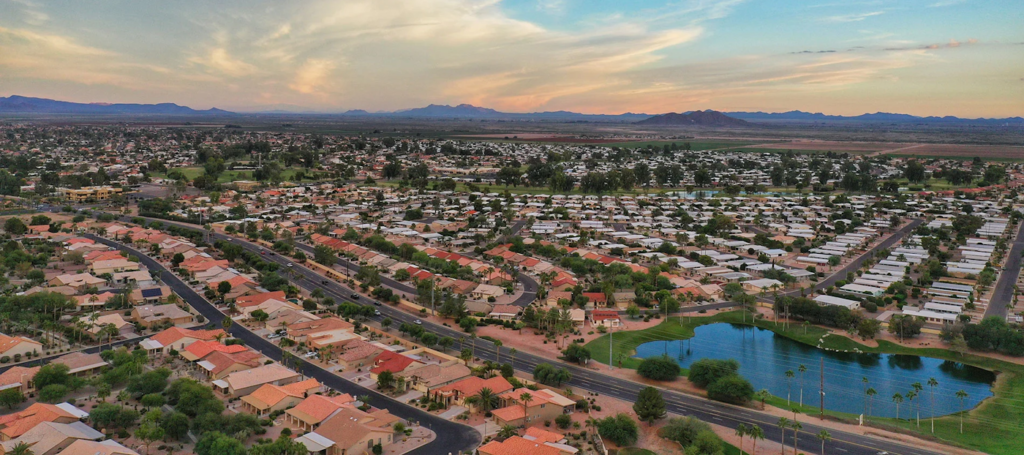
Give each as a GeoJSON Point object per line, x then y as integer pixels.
{"type": "Point", "coordinates": [1002, 159]}
{"type": "Point", "coordinates": [799, 152]}
{"type": "Point", "coordinates": [729, 449]}
{"type": "Point", "coordinates": [992, 427]}
{"type": "Point", "coordinates": [229, 176]}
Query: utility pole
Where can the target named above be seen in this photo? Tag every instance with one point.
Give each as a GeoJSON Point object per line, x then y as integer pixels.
{"type": "Point", "coordinates": [822, 409]}
{"type": "Point", "coordinates": [611, 342]}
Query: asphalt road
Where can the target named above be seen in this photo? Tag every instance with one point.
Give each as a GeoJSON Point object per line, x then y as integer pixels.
{"type": "Point", "coordinates": [1003, 292]}
{"type": "Point", "coordinates": [529, 285]}
{"type": "Point", "coordinates": [585, 379]}
{"type": "Point", "coordinates": [856, 264]}
{"type": "Point", "coordinates": [451, 437]}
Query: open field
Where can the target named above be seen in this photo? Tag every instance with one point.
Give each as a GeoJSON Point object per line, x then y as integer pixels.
{"type": "Point", "coordinates": [956, 151]}
{"type": "Point", "coordinates": [835, 146]}
{"type": "Point", "coordinates": [992, 427]}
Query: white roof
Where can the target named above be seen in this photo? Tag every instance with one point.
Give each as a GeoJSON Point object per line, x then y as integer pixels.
{"type": "Point", "coordinates": [71, 409]}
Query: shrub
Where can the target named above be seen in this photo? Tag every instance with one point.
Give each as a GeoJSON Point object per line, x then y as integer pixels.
{"type": "Point", "coordinates": [706, 371]}
{"type": "Point", "coordinates": [620, 429]}
{"type": "Point", "coordinates": [659, 368]}
{"type": "Point", "coordinates": [731, 389]}
{"type": "Point", "coordinates": [684, 430]}
{"type": "Point", "coordinates": [563, 421]}
{"type": "Point", "coordinates": [5, 359]}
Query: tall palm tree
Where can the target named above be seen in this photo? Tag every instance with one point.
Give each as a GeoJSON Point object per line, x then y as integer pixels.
{"type": "Point", "coordinates": [932, 383]}
{"type": "Point", "coordinates": [796, 426]}
{"type": "Point", "coordinates": [918, 388]}
{"type": "Point", "coordinates": [755, 433]}
{"type": "Point", "coordinates": [741, 431]}
{"type": "Point", "coordinates": [789, 385]}
{"type": "Point", "coordinates": [962, 396]}
{"type": "Point", "coordinates": [897, 398]}
{"type": "Point", "coordinates": [783, 424]}
{"type": "Point", "coordinates": [512, 353]}
{"type": "Point", "coordinates": [525, 398]}
{"type": "Point", "coordinates": [802, 369]}
{"type": "Point", "coordinates": [824, 437]}
{"type": "Point", "coordinates": [870, 392]}
{"type": "Point", "coordinates": [497, 351]}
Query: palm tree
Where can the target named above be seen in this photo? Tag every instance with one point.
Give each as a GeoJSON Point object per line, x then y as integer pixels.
{"type": "Point", "coordinates": [802, 369]}
{"type": "Point", "coordinates": [525, 398]}
{"type": "Point", "coordinates": [910, 397]}
{"type": "Point", "coordinates": [763, 395]}
{"type": "Point", "coordinates": [962, 396]}
{"type": "Point", "coordinates": [512, 353]}
{"type": "Point", "coordinates": [789, 384]}
{"type": "Point", "coordinates": [870, 392]}
{"type": "Point", "coordinates": [486, 398]}
{"type": "Point", "coordinates": [918, 388]}
{"type": "Point", "coordinates": [756, 433]}
{"type": "Point", "coordinates": [932, 383]}
{"type": "Point", "coordinates": [497, 351]}
{"type": "Point", "coordinates": [864, 379]}
{"type": "Point", "coordinates": [824, 436]}
{"type": "Point", "coordinates": [21, 449]}
{"type": "Point", "coordinates": [796, 426]}
{"type": "Point", "coordinates": [897, 398]}
{"type": "Point", "coordinates": [741, 431]}
{"type": "Point", "coordinates": [783, 424]}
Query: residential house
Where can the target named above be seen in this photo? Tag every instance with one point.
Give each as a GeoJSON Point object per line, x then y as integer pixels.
{"type": "Point", "coordinates": [18, 346]}
{"type": "Point", "coordinates": [544, 405]}
{"type": "Point", "coordinates": [107, 447]}
{"type": "Point", "coordinates": [269, 397]}
{"type": "Point", "coordinates": [50, 438]}
{"type": "Point", "coordinates": [605, 318]}
{"type": "Point", "coordinates": [82, 364]}
{"type": "Point", "coordinates": [18, 423]}
{"type": "Point", "coordinates": [177, 338]}
{"type": "Point", "coordinates": [427, 377]}
{"type": "Point", "coordinates": [19, 377]}
{"type": "Point", "coordinates": [112, 266]}
{"type": "Point", "coordinates": [457, 392]}
{"type": "Point", "coordinates": [241, 383]}
{"type": "Point", "coordinates": [350, 432]}
{"type": "Point", "coordinates": [327, 332]}
{"type": "Point", "coordinates": [311, 412]}
{"type": "Point", "coordinates": [147, 315]}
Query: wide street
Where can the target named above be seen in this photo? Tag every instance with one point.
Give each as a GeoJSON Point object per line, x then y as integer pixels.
{"type": "Point", "coordinates": [1003, 292]}
{"type": "Point", "coordinates": [586, 379]}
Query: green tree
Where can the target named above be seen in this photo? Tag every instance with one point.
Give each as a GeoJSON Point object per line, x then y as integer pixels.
{"type": "Point", "coordinates": [11, 397]}
{"type": "Point", "coordinates": [217, 443]}
{"type": "Point", "coordinates": [53, 393]}
{"type": "Point", "coordinates": [660, 368]}
{"type": "Point", "coordinates": [649, 405]}
{"type": "Point", "coordinates": [705, 371]}
{"type": "Point", "coordinates": [619, 429]}
{"type": "Point", "coordinates": [15, 226]}
{"type": "Point", "coordinates": [175, 425]}
{"type": "Point", "coordinates": [731, 389]}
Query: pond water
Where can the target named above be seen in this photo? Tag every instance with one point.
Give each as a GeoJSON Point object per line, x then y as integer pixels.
{"type": "Point", "coordinates": [765, 357]}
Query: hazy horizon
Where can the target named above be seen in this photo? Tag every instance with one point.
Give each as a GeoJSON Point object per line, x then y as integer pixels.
{"type": "Point", "coordinates": [961, 58]}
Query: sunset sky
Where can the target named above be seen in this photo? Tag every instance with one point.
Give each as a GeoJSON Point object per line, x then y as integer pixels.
{"type": "Point", "coordinates": [923, 57]}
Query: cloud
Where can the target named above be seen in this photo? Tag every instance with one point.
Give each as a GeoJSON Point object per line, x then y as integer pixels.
{"type": "Point", "coordinates": [851, 17]}
{"type": "Point", "coordinates": [29, 54]}
{"type": "Point", "coordinates": [952, 44]}
{"type": "Point", "coordinates": [944, 3]}
{"type": "Point", "coordinates": [217, 60]}
{"type": "Point", "coordinates": [312, 76]}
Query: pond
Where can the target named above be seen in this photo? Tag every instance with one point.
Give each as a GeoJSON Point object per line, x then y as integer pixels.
{"type": "Point", "coordinates": [765, 357]}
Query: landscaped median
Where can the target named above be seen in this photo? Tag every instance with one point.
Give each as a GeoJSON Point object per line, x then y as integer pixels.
{"type": "Point", "coordinates": [992, 427]}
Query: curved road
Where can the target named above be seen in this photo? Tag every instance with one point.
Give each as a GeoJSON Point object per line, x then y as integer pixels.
{"type": "Point", "coordinates": [451, 437]}
{"type": "Point", "coordinates": [586, 379]}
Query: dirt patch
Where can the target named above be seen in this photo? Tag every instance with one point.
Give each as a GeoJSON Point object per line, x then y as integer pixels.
{"type": "Point", "coordinates": [835, 146]}
{"type": "Point", "coordinates": [954, 150]}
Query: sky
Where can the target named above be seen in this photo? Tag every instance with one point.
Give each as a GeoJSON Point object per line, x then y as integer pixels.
{"type": "Point", "coordinates": [842, 57]}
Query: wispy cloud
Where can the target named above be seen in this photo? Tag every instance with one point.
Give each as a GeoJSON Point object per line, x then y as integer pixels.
{"type": "Point", "coordinates": [851, 17]}
{"type": "Point", "coordinates": [944, 3]}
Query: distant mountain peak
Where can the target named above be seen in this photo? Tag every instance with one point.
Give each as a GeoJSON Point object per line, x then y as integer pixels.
{"type": "Point", "coordinates": [695, 118]}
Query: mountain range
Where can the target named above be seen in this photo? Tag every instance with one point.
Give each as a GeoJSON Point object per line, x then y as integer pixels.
{"type": "Point", "coordinates": [27, 105]}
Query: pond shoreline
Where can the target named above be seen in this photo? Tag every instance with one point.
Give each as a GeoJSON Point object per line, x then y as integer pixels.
{"type": "Point", "coordinates": [992, 426]}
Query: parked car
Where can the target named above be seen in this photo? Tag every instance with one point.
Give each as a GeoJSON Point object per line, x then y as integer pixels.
{"type": "Point", "coordinates": [354, 296]}
{"type": "Point", "coordinates": [418, 322]}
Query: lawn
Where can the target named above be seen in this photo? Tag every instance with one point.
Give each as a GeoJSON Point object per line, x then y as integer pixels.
{"type": "Point", "coordinates": [992, 427]}
{"type": "Point", "coordinates": [228, 176]}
